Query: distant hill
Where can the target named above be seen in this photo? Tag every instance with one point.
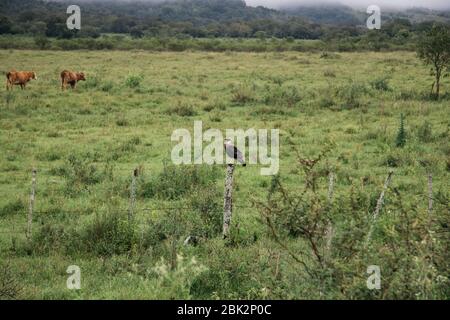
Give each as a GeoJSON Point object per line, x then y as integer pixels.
{"type": "Point", "coordinates": [197, 18]}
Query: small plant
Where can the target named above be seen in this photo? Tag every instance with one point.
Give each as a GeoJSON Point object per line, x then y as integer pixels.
{"type": "Point", "coordinates": [122, 122]}
{"type": "Point", "coordinates": [183, 110]}
{"type": "Point", "coordinates": [242, 94]}
{"type": "Point", "coordinates": [107, 86]}
{"type": "Point", "coordinates": [9, 286]}
{"type": "Point", "coordinates": [13, 207]}
{"type": "Point", "coordinates": [351, 94]}
{"type": "Point", "coordinates": [425, 132]}
{"type": "Point", "coordinates": [134, 81]}
{"type": "Point", "coordinates": [283, 96]}
{"type": "Point", "coordinates": [381, 84]}
{"type": "Point", "coordinates": [175, 182]}
{"type": "Point", "coordinates": [400, 142]}
{"type": "Point", "coordinates": [108, 234]}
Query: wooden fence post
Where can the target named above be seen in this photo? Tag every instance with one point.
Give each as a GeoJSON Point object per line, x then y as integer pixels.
{"type": "Point", "coordinates": [30, 209]}
{"type": "Point", "coordinates": [379, 205]}
{"type": "Point", "coordinates": [132, 195]}
{"type": "Point", "coordinates": [228, 200]}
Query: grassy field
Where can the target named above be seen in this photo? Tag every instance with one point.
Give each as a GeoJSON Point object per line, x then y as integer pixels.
{"type": "Point", "coordinates": [85, 144]}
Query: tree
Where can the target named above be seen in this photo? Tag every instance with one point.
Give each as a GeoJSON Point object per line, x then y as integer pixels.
{"type": "Point", "coordinates": [5, 25]}
{"type": "Point", "coordinates": [42, 42]}
{"type": "Point", "coordinates": [434, 50]}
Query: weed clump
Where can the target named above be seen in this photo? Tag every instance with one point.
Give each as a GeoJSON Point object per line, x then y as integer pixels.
{"type": "Point", "coordinates": [400, 141]}
{"type": "Point", "coordinates": [283, 96]}
{"type": "Point", "coordinates": [242, 94]}
{"type": "Point", "coordinates": [134, 81]}
{"type": "Point", "coordinates": [182, 110]}
{"type": "Point", "coordinates": [175, 182]}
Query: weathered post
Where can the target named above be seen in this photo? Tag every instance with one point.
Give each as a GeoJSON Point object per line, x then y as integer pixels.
{"type": "Point", "coordinates": [30, 209]}
{"type": "Point", "coordinates": [228, 200]}
{"type": "Point", "coordinates": [379, 205]}
{"type": "Point", "coordinates": [132, 195]}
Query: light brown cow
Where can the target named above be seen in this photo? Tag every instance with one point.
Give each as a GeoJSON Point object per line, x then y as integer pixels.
{"type": "Point", "coordinates": [19, 77]}
{"type": "Point", "coordinates": [69, 77]}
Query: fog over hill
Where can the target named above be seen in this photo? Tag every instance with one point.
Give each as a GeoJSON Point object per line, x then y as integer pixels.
{"type": "Point", "coordinates": [357, 4]}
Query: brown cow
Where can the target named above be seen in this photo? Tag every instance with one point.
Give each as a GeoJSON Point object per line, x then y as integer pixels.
{"type": "Point", "coordinates": [19, 77]}
{"type": "Point", "coordinates": [69, 77]}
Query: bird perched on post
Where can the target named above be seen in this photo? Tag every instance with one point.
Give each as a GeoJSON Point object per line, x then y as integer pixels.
{"type": "Point", "coordinates": [234, 152]}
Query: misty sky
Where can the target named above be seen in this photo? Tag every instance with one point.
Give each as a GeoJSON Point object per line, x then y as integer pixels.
{"type": "Point", "coordinates": [434, 4]}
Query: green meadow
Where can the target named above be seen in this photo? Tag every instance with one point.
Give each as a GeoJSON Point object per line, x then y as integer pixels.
{"type": "Point", "coordinates": [341, 109]}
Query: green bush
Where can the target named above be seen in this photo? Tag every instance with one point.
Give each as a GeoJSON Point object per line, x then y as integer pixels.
{"type": "Point", "coordinates": [381, 84]}
{"type": "Point", "coordinates": [183, 110]}
{"type": "Point", "coordinates": [80, 173]}
{"type": "Point", "coordinates": [13, 207]}
{"type": "Point", "coordinates": [134, 81]}
{"type": "Point", "coordinates": [425, 132]}
{"type": "Point", "coordinates": [175, 182]}
{"type": "Point", "coordinates": [288, 96]}
{"type": "Point", "coordinates": [108, 234]}
{"type": "Point", "coordinates": [400, 141]}
{"type": "Point", "coordinates": [242, 94]}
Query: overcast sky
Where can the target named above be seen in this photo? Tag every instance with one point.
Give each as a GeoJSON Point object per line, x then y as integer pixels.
{"type": "Point", "coordinates": [434, 4]}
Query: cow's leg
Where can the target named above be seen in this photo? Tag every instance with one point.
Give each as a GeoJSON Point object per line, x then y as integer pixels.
{"type": "Point", "coordinates": [63, 84]}
{"type": "Point", "coordinates": [7, 85]}
{"type": "Point", "coordinates": [22, 86]}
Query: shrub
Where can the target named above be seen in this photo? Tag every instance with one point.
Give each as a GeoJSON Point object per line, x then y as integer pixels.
{"type": "Point", "coordinates": [42, 42]}
{"type": "Point", "coordinates": [425, 132]}
{"type": "Point", "coordinates": [107, 86]}
{"type": "Point", "coordinates": [351, 94]}
{"type": "Point", "coordinates": [122, 122]}
{"type": "Point", "coordinates": [381, 84]}
{"type": "Point", "coordinates": [9, 284]}
{"type": "Point", "coordinates": [108, 234]}
{"type": "Point", "coordinates": [80, 173]}
{"type": "Point", "coordinates": [242, 94]}
{"type": "Point", "coordinates": [183, 110]}
{"type": "Point", "coordinates": [12, 207]}
{"type": "Point", "coordinates": [326, 102]}
{"type": "Point", "coordinates": [283, 96]}
{"type": "Point", "coordinates": [175, 182]}
{"type": "Point", "coordinates": [133, 81]}
{"type": "Point", "coordinates": [206, 203]}
{"type": "Point", "coordinates": [400, 141]}
{"type": "Point", "coordinates": [92, 82]}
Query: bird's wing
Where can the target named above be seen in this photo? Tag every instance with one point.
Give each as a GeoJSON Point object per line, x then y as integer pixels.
{"type": "Point", "coordinates": [238, 155]}
{"type": "Point", "coordinates": [230, 150]}
{"type": "Point", "coordinates": [234, 153]}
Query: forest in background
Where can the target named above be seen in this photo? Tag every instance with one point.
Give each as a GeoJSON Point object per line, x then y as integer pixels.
{"type": "Point", "coordinates": [178, 24]}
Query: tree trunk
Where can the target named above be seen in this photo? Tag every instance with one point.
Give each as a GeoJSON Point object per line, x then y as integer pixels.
{"type": "Point", "coordinates": [228, 200]}
{"type": "Point", "coordinates": [438, 79]}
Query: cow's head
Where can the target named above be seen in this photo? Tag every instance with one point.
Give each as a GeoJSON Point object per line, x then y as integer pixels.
{"type": "Point", "coordinates": [33, 75]}
{"type": "Point", "coordinates": [81, 76]}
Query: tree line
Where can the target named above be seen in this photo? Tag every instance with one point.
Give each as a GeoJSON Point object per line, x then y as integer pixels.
{"type": "Point", "coordinates": [207, 19]}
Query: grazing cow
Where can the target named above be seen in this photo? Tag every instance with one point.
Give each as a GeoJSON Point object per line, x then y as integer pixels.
{"type": "Point", "coordinates": [19, 77]}
{"type": "Point", "coordinates": [69, 77]}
